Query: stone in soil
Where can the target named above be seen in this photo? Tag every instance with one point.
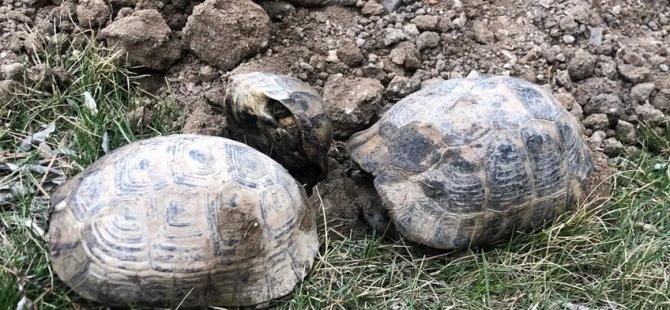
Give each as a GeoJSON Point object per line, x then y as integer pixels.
{"type": "Point", "coordinates": [145, 38]}
{"type": "Point", "coordinates": [641, 92]}
{"type": "Point", "coordinates": [350, 54]}
{"type": "Point", "coordinates": [400, 87]}
{"type": "Point", "coordinates": [581, 65]}
{"type": "Point", "coordinates": [223, 33]}
{"type": "Point", "coordinates": [626, 132]}
{"type": "Point", "coordinates": [633, 74]}
{"type": "Point", "coordinates": [352, 102]}
{"type": "Point", "coordinates": [93, 13]}
{"type": "Point", "coordinates": [407, 55]}
{"type": "Point", "coordinates": [605, 103]}
{"type": "Point", "coordinates": [661, 100]}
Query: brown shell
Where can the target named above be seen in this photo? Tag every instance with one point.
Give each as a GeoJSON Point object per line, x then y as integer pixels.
{"type": "Point", "coordinates": [466, 162]}
{"type": "Point", "coordinates": [283, 117]}
{"type": "Point", "coordinates": [199, 219]}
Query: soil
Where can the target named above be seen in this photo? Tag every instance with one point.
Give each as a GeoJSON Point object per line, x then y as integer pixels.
{"type": "Point", "coordinates": [607, 61]}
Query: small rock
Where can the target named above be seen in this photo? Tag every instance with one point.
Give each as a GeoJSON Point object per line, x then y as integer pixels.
{"type": "Point", "coordinates": [428, 39]}
{"type": "Point", "coordinates": [351, 102]}
{"type": "Point", "coordinates": [391, 5]}
{"type": "Point", "coordinates": [392, 36]}
{"type": "Point", "coordinates": [641, 92]}
{"type": "Point", "coordinates": [596, 37]}
{"type": "Point", "coordinates": [207, 74]}
{"type": "Point", "coordinates": [596, 139]}
{"type": "Point", "coordinates": [215, 97]}
{"type": "Point", "coordinates": [569, 39]}
{"type": "Point", "coordinates": [664, 67]}
{"type": "Point", "coordinates": [597, 121]}
{"type": "Point", "coordinates": [332, 56]}
{"type": "Point", "coordinates": [563, 79]}
{"type": "Point", "coordinates": [400, 87]}
{"type": "Point", "coordinates": [12, 71]}
{"type": "Point", "coordinates": [410, 30]}
{"type": "Point", "coordinates": [459, 22]}
{"type": "Point", "coordinates": [93, 13]}
{"type": "Point", "coordinates": [568, 24]}
{"type": "Point", "coordinates": [145, 38]}
{"type": "Point", "coordinates": [350, 54]}
{"type": "Point", "coordinates": [277, 9]}
{"type": "Point", "coordinates": [661, 100]}
{"type": "Point", "coordinates": [616, 9]}
{"type": "Point", "coordinates": [426, 22]}
{"type": "Point", "coordinates": [372, 8]}
{"type": "Point", "coordinates": [6, 88]}
{"type": "Point", "coordinates": [482, 33]}
{"type": "Point", "coordinates": [647, 113]}
{"type": "Point", "coordinates": [606, 66]}
{"type": "Point", "coordinates": [630, 73]}
{"type": "Point", "coordinates": [224, 32]}
{"type": "Point", "coordinates": [581, 65]}
{"type": "Point", "coordinates": [612, 147]}
{"type": "Point", "coordinates": [406, 55]}
{"type": "Point", "coordinates": [605, 103]}
{"type": "Point", "coordinates": [626, 132]}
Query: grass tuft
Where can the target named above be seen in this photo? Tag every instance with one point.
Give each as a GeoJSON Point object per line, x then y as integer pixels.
{"type": "Point", "coordinates": [54, 91]}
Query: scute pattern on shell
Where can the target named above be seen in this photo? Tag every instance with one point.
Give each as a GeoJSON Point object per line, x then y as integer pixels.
{"type": "Point", "coordinates": [465, 162]}
{"type": "Point", "coordinates": [283, 117]}
{"type": "Point", "coordinates": [156, 218]}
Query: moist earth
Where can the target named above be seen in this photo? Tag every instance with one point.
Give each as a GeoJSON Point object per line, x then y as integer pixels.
{"type": "Point", "coordinates": [606, 61]}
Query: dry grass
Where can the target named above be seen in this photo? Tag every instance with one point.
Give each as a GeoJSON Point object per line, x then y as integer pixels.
{"type": "Point", "coordinates": [613, 255]}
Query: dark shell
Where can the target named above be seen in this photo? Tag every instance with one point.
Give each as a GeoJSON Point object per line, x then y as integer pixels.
{"type": "Point", "coordinates": [465, 162]}
{"type": "Point", "coordinates": [198, 219]}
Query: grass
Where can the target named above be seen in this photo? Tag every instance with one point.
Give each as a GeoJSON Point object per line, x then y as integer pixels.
{"type": "Point", "coordinates": [606, 255]}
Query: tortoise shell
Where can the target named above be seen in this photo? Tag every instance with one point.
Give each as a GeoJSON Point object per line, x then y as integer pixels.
{"type": "Point", "coordinates": [283, 117]}
{"type": "Point", "coordinates": [183, 218]}
{"type": "Point", "coordinates": [465, 162]}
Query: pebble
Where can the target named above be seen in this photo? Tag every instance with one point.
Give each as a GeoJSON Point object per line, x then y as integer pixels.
{"type": "Point", "coordinates": [393, 36]}
{"type": "Point", "coordinates": [596, 38]}
{"type": "Point", "coordinates": [568, 39]}
{"type": "Point", "coordinates": [427, 39]}
{"type": "Point", "coordinates": [664, 67]}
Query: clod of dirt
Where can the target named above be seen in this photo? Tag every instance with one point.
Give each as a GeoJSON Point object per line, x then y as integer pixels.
{"type": "Point", "coordinates": [12, 71]}
{"type": "Point", "coordinates": [426, 22]}
{"type": "Point", "coordinates": [223, 33]}
{"type": "Point", "coordinates": [350, 54]}
{"type": "Point", "coordinates": [581, 65]}
{"type": "Point", "coordinates": [203, 120]}
{"type": "Point", "coordinates": [630, 73]}
{"type": "Point", "coordinates": [661, 100]}
{"type": "Point", "coordinates": [641, 92]}
{"type": "Point", "coordinates": [596, 121]}
{"type": "Point", "coordinates": [407, 55]}
{"type": "Point", "coordinates": [145, 38]}
{"type": "Point", "coordinates": [277, 9]}
{"type": "Point", "coordinates": [400, 87]}
{"type": "Point", "coordinates": [351, 103]}
{"type": "Point", "coordinates": [605, 103]}
{"type": "Point", "coordinates": [626, 132]}
{"type": "Point", "coordinates": [93, 13]}
{"type": "Point", "coordinates": [6, 88]}
{"type": "Point", "coordinates": [372, 8]}
{"type": "Point", "coordinates": [428, 39]}
{"type": "Point", "coordinates": [647, 113]}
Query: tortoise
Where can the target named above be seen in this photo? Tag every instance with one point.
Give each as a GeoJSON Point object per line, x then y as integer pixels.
{"type": "Point", "coordinates": [466, 162]}
{"type": "Point", "coordinates": [283, 117]}
{"type": "Point", "coordinates": [184, 218]}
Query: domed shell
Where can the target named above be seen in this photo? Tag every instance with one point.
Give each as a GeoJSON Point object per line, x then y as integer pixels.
{"type": "Point", "coordinates": [189, 219]}
{"type": "Point", "coordinates": [283, 117]}
{"type": "Point", "coordinates": [465, 162]}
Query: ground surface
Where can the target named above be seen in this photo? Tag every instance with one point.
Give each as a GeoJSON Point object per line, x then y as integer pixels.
{"type": "Point", "coordinates": [607, 62]}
